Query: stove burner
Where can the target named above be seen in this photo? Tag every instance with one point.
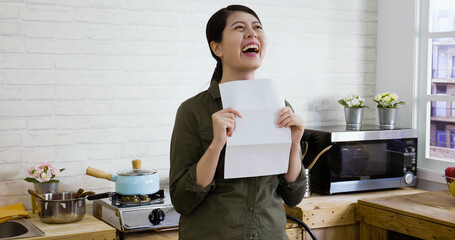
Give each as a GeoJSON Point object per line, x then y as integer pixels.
{"type": "Point", "coordinates": [120, 200]}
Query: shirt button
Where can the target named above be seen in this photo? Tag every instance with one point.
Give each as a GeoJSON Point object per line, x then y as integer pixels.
{"type": "Point", "coordinates": [251, 209]}
{"type": "Point", "coordinates": [254, 236]}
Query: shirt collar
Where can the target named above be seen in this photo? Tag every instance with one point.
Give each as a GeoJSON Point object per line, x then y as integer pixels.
{"type": "Point", "coordinates": [214, 89]}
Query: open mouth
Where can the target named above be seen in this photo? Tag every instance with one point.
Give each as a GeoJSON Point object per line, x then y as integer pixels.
{"type": "Point", "coordinates": [251, 48]}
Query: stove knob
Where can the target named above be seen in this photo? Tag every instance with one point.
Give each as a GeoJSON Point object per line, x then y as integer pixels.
{"type": "Point", "coordinates": [156, 216]}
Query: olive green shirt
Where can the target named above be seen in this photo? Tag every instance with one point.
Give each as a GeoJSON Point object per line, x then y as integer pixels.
{"type": "Point", "coordinates": [243, 208]}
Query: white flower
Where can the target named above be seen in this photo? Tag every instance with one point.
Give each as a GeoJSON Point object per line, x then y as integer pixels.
{"type": "Point", "coordinates": [387, 100]}
{"type": "Point", "coordinates": [352, 101]}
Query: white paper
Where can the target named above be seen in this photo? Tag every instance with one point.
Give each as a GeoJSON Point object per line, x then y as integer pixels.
{"type": "Point", "coordinates": [258, 146]}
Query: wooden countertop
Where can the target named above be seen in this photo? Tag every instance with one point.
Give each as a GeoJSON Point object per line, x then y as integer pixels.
{"type": "Point", "coordinates": [89, 228]}
{"type": "Point", "coordinates": [174, 235]}
{"type": "Point", "coordinates": [320, 211]}
{"type": "Point", "coordinates": [427, 215]}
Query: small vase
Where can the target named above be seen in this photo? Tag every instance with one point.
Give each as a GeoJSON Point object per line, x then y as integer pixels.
{"type": "Point", "coordinates": [354, 117]}
{"type": "Point", "coordinates": [387, 117]}
{"type": "Point", "coordinates": [47, 187]}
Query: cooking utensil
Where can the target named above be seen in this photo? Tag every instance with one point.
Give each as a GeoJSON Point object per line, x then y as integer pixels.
{"type": "Point", "coordinates": [88, 193]}
{"type": "Point", "coordinates": [61, 207]}
{"type": "Point", "coordinates": [35, 194]}
{"type": "Point", "coordinates": [130, 182]}
{"type": "Point", "coordinates": [319, 155]}
{"type": "Point", "coordinates": [79, 192]}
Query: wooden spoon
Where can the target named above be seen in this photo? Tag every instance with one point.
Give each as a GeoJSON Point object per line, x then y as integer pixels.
{"type": "Point", "coordinates": [79, 192]}
{"type": "Point", "coordinates": [87, 193]}
{"type": "Point", "coordinates": [33, 193]}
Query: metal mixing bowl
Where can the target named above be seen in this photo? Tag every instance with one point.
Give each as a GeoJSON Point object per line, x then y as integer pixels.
{"type": "Point", "coordinates": [61, 207]}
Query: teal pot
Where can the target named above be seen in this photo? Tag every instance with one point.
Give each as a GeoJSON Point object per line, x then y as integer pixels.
{"type": "Point", "coordinates": [46, 187]}
{"type": "Point", "coordinates": [387, 117]}
{"type": "Point", "coordinates": [134, 181]}
{"type": "Point", "coordinates": [353, 116]}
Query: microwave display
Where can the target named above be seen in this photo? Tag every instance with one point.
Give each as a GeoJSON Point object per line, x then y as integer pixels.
{"type": "Point", "coordinates": [387, 159]}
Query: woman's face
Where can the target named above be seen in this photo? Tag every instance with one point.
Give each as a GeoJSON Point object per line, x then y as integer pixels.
{"type": "Point", "coordinates": [244, 43]}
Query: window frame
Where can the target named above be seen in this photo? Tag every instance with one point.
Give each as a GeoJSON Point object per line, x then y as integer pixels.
{"type": "Point", "coordinates": [430, 167]}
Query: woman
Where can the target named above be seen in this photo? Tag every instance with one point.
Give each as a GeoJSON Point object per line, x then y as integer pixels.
{"type": "Point", "coordinates": [212, 207]}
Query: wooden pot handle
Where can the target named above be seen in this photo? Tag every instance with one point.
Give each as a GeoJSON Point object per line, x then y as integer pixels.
{"type": "Point", "coordinates": [98, 173]}
{"type": "Point", "coordinates": [137, 164]}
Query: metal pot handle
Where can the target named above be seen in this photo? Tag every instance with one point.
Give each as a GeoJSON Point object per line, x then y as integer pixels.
{"type": "Point", "coordinates": [99, 196]}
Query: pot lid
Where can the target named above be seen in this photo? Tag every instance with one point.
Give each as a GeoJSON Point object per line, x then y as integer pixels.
{"type": "Point", "coordinates": [136, 172]}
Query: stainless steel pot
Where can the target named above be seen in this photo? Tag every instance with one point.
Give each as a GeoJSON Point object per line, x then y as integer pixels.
{"type": "Point", "coordinates": [61, 207]}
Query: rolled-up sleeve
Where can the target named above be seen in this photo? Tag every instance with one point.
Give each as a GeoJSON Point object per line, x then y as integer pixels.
{"type": "Point", "coordinates": [186, 150]}
{"type": "Point", "coordinates": [292, 193]}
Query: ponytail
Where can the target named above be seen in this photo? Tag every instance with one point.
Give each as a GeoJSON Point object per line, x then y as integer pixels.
{"type": "Point", "coordinates": [218, 73]}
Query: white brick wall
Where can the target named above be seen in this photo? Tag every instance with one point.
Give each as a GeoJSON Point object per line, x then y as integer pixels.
{"type": "Point", "coordinates": [97, 83]}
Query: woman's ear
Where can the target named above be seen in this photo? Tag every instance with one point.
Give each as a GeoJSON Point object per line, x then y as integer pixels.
{"type": "Point", "coordinates": [216, 48]}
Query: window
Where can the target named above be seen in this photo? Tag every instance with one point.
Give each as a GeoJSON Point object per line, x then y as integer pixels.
{"type": "Point", "coordinates": [437, 74]}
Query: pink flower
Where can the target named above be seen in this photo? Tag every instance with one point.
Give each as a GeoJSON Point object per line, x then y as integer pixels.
{"type": "Point", "coordinates": [38, 173]}
{"type": "Point", "coordinates": [45, 164]}
{"type": "Point", "coordinates": [45, 177]}
{"type": "Point", "coordinates": [55, 171]}
{"type": "Point", "coordinates": [30, 171]}
{"type": "Point", "coordinates": [44, 173]}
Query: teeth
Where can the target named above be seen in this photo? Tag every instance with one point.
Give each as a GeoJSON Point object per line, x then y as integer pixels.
{"type": "Point", "coordinates": [256, 47]}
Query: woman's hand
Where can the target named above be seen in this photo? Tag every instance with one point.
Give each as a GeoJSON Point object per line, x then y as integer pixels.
{"type": "Point", "coordinates": [287, 118]}
{"type": "Point", "coordinates": [223, 125]}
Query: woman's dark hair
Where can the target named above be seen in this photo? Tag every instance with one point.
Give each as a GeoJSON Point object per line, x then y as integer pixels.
{"type": "Point", "coordinates": [214, 32]}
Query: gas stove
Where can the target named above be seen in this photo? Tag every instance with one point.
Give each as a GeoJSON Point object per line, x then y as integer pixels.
{"type": "Point", "coordinates": [158, 215]}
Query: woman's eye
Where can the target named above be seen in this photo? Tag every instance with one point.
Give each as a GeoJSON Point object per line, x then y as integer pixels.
{"type": "Point", "coordinates": [258, 27]}
{"type": "Point", "coordinates": [239, 27]}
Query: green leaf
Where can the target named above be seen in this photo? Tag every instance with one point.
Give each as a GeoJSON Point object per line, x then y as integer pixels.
{"type": "Point", "coordinates": [32, 180]}
{"type": "Point", "coordinates": [61, 169]}
{"type": "Point", "coordinates": [342, 102]}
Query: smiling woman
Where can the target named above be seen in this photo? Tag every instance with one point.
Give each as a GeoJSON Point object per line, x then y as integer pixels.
{"type": "Point", "coordinates": [211, 206]}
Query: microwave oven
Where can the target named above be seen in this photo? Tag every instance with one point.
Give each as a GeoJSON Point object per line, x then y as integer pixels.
{"type": "Point", "coordinates": [367, 158]}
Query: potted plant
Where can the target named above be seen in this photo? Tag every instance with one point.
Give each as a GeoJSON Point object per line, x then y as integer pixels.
{"type": "Point", "coordinates": [353, 109]}
{"type": "Point", "coordinates": [387, 104]}
{"type": "Point", "coordinates": [43, 177]}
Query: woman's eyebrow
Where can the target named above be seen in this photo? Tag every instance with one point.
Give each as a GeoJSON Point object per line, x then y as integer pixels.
{"type": "Point", "coordinates": [237, 22]}
{"type": "Point", "coordinates": [242, 22]}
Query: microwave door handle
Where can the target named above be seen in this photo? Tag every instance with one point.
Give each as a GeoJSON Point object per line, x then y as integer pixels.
{"type": "Point", "coordinates": [319, 155]}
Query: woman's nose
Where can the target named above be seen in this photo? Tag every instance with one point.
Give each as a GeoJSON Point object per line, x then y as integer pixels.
{"type": "Point", "coordinates": [251, 33]}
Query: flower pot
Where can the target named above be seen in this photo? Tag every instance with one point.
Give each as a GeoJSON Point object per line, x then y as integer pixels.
{"type": "Point", "coordinates": [387, 117]}
{"type": "Point", "coordinates": [354, 116]}
{"type": "Point", "coordinates": [46, 187]}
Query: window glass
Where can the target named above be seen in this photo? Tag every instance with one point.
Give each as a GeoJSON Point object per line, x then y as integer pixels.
{"type": "Point", "coordinates": [442, 15]}
{"type": "Point", "coordinates": [442, 134]}
{"type": "Point", "coordinates": [443, 66]}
